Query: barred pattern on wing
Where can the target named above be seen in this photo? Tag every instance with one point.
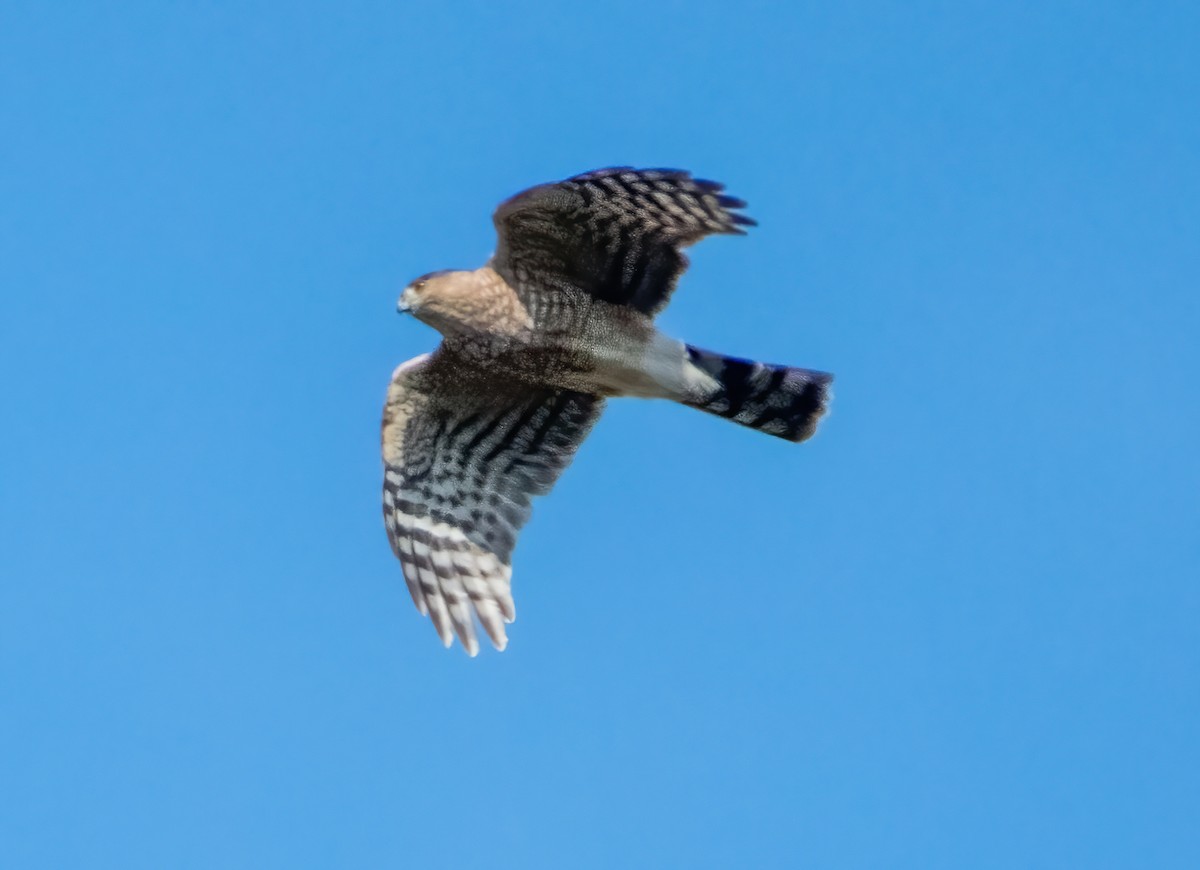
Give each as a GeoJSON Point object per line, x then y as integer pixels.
{"type": "Point", "coordinates": [463, 457]}
{"type": "Point", "coordinates": [615, 234]}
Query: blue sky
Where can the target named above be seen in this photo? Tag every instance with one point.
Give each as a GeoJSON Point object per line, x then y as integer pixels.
{"type": "Point", "coordinates": [956, 629]}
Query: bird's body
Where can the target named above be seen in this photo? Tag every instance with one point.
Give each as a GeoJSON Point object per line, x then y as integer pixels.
{"type": "Point", "coordinates": [560, 319]}
{"type": "Point", "coordinates": [581, 343]}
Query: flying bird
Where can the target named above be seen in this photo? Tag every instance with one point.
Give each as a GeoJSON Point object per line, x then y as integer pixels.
{"type": "Point", "coordinates": [533, 343]}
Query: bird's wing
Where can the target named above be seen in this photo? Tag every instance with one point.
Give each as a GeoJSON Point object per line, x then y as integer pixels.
{"type": "Point", "coordinates": [616, 234]}
{"type": "Point", "coordinates": [463, 456]}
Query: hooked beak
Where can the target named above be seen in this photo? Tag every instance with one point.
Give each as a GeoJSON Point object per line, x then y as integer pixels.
{"type": "Point", "coordinates": [405, 304]}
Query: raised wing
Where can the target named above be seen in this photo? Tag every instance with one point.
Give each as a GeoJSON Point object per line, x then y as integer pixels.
{"type": "Point", "coordinates": [616, 234]}
{"type": "Point", "coordinates": [463, 456]}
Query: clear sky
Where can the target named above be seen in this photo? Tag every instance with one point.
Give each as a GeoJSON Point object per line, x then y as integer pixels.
{"type": "Point", "coordinates": [956, 629]}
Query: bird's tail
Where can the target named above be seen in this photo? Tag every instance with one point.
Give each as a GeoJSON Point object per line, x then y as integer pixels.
{"type": "Point", "coordinates": [779, 400]}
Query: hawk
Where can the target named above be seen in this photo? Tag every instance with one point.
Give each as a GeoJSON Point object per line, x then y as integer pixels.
{"type": "Point", "coordinates": [533, 343]}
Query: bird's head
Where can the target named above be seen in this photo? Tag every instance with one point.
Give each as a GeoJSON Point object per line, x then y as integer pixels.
{"type": "Point", "coordinates": [440, 299]}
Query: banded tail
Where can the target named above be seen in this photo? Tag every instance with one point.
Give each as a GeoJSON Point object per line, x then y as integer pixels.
{"type": "Point", "coordinates": [780, 400]}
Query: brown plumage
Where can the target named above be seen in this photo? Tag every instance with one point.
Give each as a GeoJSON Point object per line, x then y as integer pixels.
{"type": "Point", "coordinates": [533, 342]}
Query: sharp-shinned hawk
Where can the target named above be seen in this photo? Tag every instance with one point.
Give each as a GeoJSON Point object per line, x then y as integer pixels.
{"type": "Point", "coordinates": [558, 320]}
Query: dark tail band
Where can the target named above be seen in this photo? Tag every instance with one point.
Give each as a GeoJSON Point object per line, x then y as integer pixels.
{"type": "Point", "coordinates": [780, 400]}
